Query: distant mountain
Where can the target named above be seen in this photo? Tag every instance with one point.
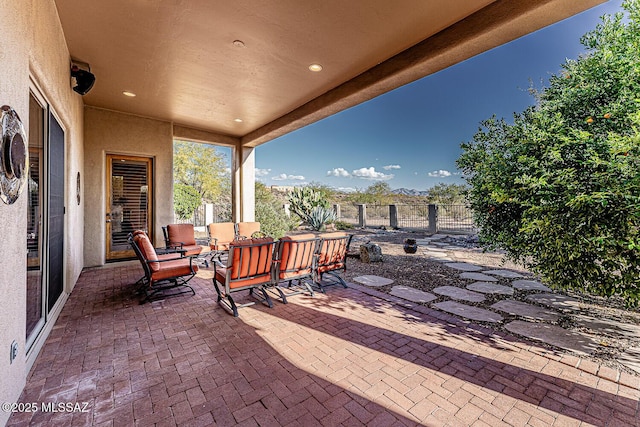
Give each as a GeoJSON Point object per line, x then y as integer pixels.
{"type": "Point", "coordinates": [409, 192]}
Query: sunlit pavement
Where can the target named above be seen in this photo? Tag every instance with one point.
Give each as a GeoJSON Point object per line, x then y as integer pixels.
{"type": "Point", "coordinates": [346, 357]}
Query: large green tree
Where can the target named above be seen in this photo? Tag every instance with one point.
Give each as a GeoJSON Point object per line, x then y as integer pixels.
{"type": "Point", "coordinates": [559, 188]}
{"type": "Point", "coordinates": [202, 167]}
{"type": "Point", "coordinates": [447, 194]}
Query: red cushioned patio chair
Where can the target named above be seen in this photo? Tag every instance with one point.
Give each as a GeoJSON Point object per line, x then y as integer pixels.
{"type": "Point", "coordinates": [246, 230]}
{"type": "Point", "coordinates": [221, 234]}
{"type": "Point", "coordinates": [331, 259]}
{"type": "Point", "coordinates": [248, 267]}
{"type": "Point", "coordinates": [293, 273]}
{"type": "Point", "coordinates": [182, 238]}
{"type": "Point", "coordinates": [164, 275]}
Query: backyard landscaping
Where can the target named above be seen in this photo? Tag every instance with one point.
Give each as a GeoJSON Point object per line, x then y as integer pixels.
{"type": "Point", "coordinates": [599, 329]}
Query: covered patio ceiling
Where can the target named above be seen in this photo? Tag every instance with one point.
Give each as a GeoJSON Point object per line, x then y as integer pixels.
{"type": "Point", "coordinates": [238, 71]}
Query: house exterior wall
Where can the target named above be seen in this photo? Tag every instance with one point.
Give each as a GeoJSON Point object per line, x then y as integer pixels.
{"type": "Point", "coordinates": [32, 44]}
{"type": "Point", "coordinates": [110, 132]}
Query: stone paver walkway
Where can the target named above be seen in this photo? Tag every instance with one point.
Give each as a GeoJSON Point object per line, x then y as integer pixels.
{"type": "Point", "coordinates": [350, 357]}
{"type": "Point", "coordinates": [540, 304]}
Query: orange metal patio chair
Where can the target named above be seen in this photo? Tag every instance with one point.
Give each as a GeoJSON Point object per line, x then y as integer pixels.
{"type": "Point", "coordinates": [294, 263]}
{"type": "Point", "coordinates": [245, 230]}
{"type": "Point", "coordinates": [182, 237]}
{"type": "Point", "coordinates": [248, 267]}
{"type": "Point", "coordinates": [221, 234]}
{"type": "Point", "coordinates": [162, 273]}
{"type": "Point", "coordinates": [332, 259]}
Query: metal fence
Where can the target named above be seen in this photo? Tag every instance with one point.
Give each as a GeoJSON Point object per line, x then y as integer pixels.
{"type": "Point", "coordinates": [432, 218]}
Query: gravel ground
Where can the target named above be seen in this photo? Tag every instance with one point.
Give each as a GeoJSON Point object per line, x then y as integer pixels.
{"type": "Point", "coordinates": [417, 271]}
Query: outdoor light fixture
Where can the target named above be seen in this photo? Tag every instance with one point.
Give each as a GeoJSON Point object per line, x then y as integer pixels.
{"type": "Point", "coordinates": [315, 68]}
{"type": "Point", "coordinates": [84, 79]}
{"type": "Point", "coordinates": [237, 120]}
{"type": "Point", "coordinates": [128, 93]}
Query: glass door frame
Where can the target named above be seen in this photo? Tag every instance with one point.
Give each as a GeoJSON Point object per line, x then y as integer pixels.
{"type": "Point", "coordinates": [114, 255]}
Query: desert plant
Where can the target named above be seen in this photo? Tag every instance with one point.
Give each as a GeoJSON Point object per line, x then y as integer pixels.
{"type": "Point", "coordinates": [320, 217]}
{"type": "Point", "coordinates": [302, 200]}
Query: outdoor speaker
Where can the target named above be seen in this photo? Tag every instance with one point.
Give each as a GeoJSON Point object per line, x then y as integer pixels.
{"type": "Point", "coordinates": [84, 80]}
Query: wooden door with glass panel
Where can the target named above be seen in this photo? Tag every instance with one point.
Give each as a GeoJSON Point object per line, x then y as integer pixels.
{"type": "Point", "coordinates": [129, 202]}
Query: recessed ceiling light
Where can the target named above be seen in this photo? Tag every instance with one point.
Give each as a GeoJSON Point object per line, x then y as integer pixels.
{"type": "Point", "coordinates": [129, 94]}
{"type": "Point", "coordinates": [237, 120]}
{"type": "Point", "coordinates": [238, 43]}
{"type": "Point", "coordinates": [315, 67]}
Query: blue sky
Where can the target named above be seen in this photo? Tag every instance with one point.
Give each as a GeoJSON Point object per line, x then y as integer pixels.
{"type": "Point", "coordinates": [411, 137]}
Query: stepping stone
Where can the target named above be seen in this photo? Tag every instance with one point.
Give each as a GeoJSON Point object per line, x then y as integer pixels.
{"type": "Point", "coordinates": [373, 281]}
{"type": "Point", "coordinates": [459, 293]}
{"type": "Point", "coordinates": [490, 288]}
{"type": "Point", "coordinates": [478, 276]}
{"type": "Point", "coordinates": [554, 335]}
{"type": "Point", "coordinates": [609, 327]}
{"type": "Point", "coordinates": [433, 248]}
{"type": "Point", "coordinates": [437, 236]}
{"type": "Point", "coordinates": [530, 285]}
{"type": "Point", "coordinates": [631, 358]}
{"type": "Point", "coordinates": [504, 273]}
{"type": "Point", "coordinates": [468, 312]}
{"type": "Point", "coordinates": [423, 242]}
{"type": "Point", "coordinates": [432, 253]}
{"type": "Point", "coordinates": [517, 308]}
{"type": "Point", "coordinates": [412, 294]}
{"type": "Point", "coordinates": [463, 266]}
{"type": "Point", "coordinates": [439, 257]}
{"type": "Point", "coordinates": [557, 301]}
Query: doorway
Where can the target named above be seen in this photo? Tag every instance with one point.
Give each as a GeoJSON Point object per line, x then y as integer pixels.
{"type": "Point", "coordinates": [45, 215]}
{"type": "Point", "coordinates": [129, 202]}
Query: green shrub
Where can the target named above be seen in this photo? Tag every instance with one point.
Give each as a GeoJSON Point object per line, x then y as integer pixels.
{"type": "Point", "coordinates": [559, 189]}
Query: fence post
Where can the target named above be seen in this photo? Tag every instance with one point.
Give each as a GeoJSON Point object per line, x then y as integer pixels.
{"type": "Point", "coordinates": [208, 214]}
{"type": "Point", "coordinates": [393, 216]}
{"type": "Point", "coordinates": [336, 209]}
{"type": "Point", "coordinates": [433, 219]}
{"type": "Point", "coordinates": [287, 209]}
{"type": "Point", "coordinates": [362, 216]}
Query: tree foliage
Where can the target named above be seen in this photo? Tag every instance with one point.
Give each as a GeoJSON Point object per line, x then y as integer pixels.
{"type": "Point", "coordinates": [559, 188]}
{"type": "Point", "coordinates": [378, 193]}
{"type": "Point", "coordinates": [270, 213]}
{"type": "Point", "coordinates": [203, 168]}
{"type": "Point", "coordinates": [185, 200]}
{"type": "Point", "coordinates": [447, 194]}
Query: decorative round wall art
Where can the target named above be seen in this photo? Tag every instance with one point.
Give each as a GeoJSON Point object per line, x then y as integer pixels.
{"type": "Point", "coordinates": [13, 155]}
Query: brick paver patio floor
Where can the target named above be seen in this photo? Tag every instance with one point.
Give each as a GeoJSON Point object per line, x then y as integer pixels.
{"type": "Point", "coordinates": [347, 357]}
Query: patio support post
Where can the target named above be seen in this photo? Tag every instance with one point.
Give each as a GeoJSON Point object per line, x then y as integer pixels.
{"type": "Point", "coordinates": [243, 179]}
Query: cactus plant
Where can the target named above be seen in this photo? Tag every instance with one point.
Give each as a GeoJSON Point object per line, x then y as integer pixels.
{"type": "Point", "coordinates": [320, 217]}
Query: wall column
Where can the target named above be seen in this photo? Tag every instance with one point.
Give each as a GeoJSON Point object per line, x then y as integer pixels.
{"type": "Point", "coordinates": [243, 181]}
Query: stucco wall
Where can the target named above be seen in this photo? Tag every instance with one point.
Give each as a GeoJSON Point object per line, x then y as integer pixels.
{"type": "Point", "coordinates": [109, 132]}
{"type": "Point", "coordinates": [32, 43]}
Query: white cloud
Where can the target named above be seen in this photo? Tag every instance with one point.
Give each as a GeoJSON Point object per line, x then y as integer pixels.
{"type": "Point", "coordinates": [285, 177]}
{"type": "Point", "coordinates": [389, 167]}
{"type": "Point", "coordinates": [439, 173]}
{"type": "Point", "coordinates": [338, 172]}
{"type": "Point", "coordinates": [371, 173]}
{"type": "Point", "coordinates": [261, 172]}
{"type": "Point", "coordinates": [346, 189]}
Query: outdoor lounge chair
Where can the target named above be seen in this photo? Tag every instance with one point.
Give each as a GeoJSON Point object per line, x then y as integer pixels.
{"type": "Point", "coordinates": [162, 273]}
{"type": "Point", "coordinates": [294, 263]}
{"type": "Point", "coordinates": [182, 237]}
{"type": "Point", "coordinates": [332, 259]}
{"type": "Point", "coordinates": [221, 234]}
{"type": "Point", "coordinates": [248, 267]}
{"type": "Point", "coordinates": [246, 230]}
